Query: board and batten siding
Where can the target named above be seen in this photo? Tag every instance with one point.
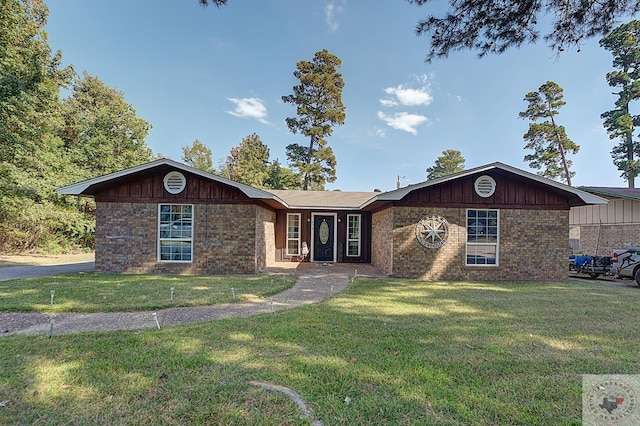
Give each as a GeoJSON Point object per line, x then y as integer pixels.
{"type": "Point", "coordinates": [618, 211]}
{"type": "Point", "coordinates": [598, 230]}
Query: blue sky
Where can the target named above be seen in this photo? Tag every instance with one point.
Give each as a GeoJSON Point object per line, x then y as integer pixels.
{"type": "Point", "coordinates": [218, 75]}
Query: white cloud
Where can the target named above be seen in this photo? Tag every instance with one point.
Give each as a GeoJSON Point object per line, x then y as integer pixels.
{"type": "Point", "coordinates": [330, 11]}
{"type": "Point", "coordinates": [403, 121]}
{"type": "Point", "coordinates": [249, 108]}
{"type": "Point", "coordinates": [388, 103]}
{"type": "Point", "coordinates": [408, 96]}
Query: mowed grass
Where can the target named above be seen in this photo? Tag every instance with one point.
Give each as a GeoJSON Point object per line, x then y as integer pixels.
{"type": "Point", "coordinates": [91, 292]}
{"type": "Point", "coordinates": [383, 352]}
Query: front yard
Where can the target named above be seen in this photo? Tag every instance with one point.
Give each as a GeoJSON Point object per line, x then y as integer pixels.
{"type": "Point", "coordinates": [385, 351]}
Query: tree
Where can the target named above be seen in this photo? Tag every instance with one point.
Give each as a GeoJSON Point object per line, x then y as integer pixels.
{"type": "Point", "coordinates": [102, 131]}
{"type": "Point", "coordinates": [451, 161]}
{"type": "Point", "coordinates": [318, 101]}
{"type": "Point", "coordinates": [249, 162]}
{"type": "Point", "coordinates": [548, 140]}
{"type": "Point", "coordinates": [198, 155]}
{"type": "Point", "coordinates": [624, 45]}
{"type": "Point", "coordinates": [497, 25]}
{"type": "Point", "coordinates": [31, 160]}
{"type": "Point", "coordinates": [493, 26]}
{"type": "Point", "coordinates": [281, 177]}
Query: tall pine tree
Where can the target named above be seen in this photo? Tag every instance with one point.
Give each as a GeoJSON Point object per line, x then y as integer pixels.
{"type": "Point", "coordinates": [624, 45]}
{"type": "Point", "coordinates": [319, 107]}
{"type": "Point", "coordinates": [545, 137]}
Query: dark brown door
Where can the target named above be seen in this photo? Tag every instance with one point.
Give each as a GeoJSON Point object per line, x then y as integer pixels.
{"type": "Point", "coordinates": [323, 231]}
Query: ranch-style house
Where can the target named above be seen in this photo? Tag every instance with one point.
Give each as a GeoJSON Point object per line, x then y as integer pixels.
{"type": "Point", "coordinates": [493, 222]}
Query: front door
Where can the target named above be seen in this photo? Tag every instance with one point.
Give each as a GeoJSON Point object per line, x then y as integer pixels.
{"type": "Point", "coordinates": [323, 238]}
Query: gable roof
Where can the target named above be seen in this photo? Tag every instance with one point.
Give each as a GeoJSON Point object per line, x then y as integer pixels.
{"type": "Point", "coordinates": [627, 193]}
{"type": "Point", "coordinates": [88, 187]}
{"type": "Point", "coordinates": [334, 200]}
{"type": "Point", "coordinates": [583, 197]}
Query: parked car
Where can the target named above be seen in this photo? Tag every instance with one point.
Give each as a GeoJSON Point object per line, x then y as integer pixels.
{"type": "Point", "coordinates": [626, 263]}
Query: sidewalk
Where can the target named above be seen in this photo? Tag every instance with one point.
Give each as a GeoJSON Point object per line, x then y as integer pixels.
{"type": "Point", "coordinates": [316, 282]}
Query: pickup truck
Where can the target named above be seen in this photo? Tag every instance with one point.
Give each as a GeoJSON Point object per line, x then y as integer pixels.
{"type": "Point", "coordinates": [626, 263]}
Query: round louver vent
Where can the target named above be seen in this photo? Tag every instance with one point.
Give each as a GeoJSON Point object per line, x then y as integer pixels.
{"type": "Point", "coordinates": [174, 182]}
{"type": "Point", "coordinates": [485, 186]}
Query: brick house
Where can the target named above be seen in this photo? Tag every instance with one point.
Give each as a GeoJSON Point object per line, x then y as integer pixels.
{"type": "Point", "coordinates": [494, 222]}
{"type": "Point", "coordinates": [599, 229]}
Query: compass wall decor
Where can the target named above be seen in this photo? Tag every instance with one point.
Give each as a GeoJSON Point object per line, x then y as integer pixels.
{"type": "Point", "coordinates": [432, 231]}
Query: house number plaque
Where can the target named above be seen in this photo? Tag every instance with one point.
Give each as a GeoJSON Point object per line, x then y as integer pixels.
{"type": "Point", "coordinates": [432, 231]}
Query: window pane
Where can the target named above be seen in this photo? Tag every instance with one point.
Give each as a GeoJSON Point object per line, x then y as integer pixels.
{"type": "Point", "coordinates": [175, 250]}
{"type": "Point", "coordinates": [293, 234]}
{"type": "Point", "coordinates": [481, 254]}
{"type": "Point", "coordinates": [292, 247]}
{"type": "Point", "coordinates": [353, 235]}
{"type": "Point", "coordinates": [482, 237]}
{"type": "Point", "coordinates": [175, 232]}
{"type": "Point", "coordinates": [353, 249]}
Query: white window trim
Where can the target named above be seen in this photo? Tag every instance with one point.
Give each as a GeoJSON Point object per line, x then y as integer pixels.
{"type": "Point", "coordinates": [496, 244]}
{"type": "Point", "coordinates": [159, 239]}
{"type": "Point", "coordinates": [299, 216]}
{"type": "Point", "coordinates": [358, 240]}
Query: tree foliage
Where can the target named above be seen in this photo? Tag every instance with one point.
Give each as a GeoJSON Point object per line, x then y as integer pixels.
{"type": "Point", "coordinates": [42, 138]}
{"type": "Point", "coordinates": [280, 177]}
{"type": "Point", "coordinates": [319, 107]}
{"type": "Point", "coordinates": [451, 161]}
{"type": "Point", "coordinates": [547, 139]}
{"type": "Point", "coordinates": [248, 163]}
{"type": "Point", "coordinates": [497, 25]}
{"type": "Point", "coordinates": [494, 26]}
{"type": "Point", "coordinates": [620, 123]}
{"type": "Point", "coordinates": [198, 155]}
{"type": "Point", "coordinates": [102, 132]}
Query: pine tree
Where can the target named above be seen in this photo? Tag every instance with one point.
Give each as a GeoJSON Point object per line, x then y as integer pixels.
{"type": "Point", "coordinates": [318, 101]}
{"type": "Point", "coordinates": [451, 161]}
{"type": "Point", "coordinates": [547, 139]}
{"type": "Point", "coordinates": [624, 45]}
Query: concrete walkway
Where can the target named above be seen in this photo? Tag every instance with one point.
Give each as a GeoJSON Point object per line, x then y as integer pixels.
{"type": "Point", "coordinates": [316, 282]}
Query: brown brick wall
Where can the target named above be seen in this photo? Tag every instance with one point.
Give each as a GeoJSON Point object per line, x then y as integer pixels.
{"type": "Point", "coordinates": [225, 239]}
{"type": "Point", "coordinates": [265, 238]}
{"type": "Point", "coordinates": [533, 247]}
{"type": "Point", "coordinates": [601, 240]}
{"type": "Point", "coordinates": [381, 241]}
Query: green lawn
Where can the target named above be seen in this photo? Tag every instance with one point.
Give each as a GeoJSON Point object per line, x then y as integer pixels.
{"type": "Point", "coordinates": [91, 292]}
{"type": "Point", "coordinates": [384, 352]}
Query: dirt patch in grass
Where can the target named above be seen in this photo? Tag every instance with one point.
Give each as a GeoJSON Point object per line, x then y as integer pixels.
{"type": "Point", "coordinates": [41, 259]}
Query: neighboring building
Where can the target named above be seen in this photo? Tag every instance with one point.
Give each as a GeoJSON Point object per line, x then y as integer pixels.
{"type": "Point", "coordinates": [599, 229]}
{"type": "Point", "coordinates": [493, 222]}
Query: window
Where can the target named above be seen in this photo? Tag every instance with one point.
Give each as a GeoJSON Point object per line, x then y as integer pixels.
{"type": "Point", "coordinates": [175, 232]}
{"type": "Point", "coordinates": [482, 237]}
{"type": "Point", "coordinates": [353, 235]}
{"type": "Point", "coordinates": [293, 234]}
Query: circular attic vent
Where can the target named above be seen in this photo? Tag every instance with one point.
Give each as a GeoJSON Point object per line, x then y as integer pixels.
{"type": "Point", "coordinates": [174, 182]}
{"type": "Point", "coordinates": [485, 186]}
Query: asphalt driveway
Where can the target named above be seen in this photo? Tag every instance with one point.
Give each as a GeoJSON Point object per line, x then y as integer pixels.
{"type": "Point", "coordinates": [15, 272]}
